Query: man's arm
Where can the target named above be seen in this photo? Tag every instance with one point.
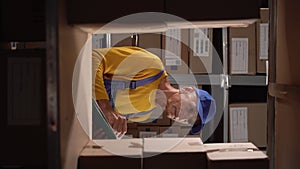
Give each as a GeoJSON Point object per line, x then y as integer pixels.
{"type": "Point", "coordinates": [117, 122]}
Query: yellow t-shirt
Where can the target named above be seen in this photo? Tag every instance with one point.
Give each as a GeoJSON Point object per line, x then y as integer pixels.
{"type": "Point", "coordinates": [127, 63]}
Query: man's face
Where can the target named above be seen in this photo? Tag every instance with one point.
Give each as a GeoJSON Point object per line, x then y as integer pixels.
{"type": "Point", "coordinates": [182, 105]}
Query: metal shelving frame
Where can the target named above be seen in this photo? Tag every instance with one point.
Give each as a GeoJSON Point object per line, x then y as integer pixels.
{"type": "Point", "coordinates": [220, 81]}
{"type": "Point", "coordinates": [225, 81]}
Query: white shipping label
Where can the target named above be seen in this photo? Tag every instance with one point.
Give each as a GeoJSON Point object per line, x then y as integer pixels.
{"type": "Point", "coordinates": [173, 43]}
{"type": "Point", "coordinates": [238, 124]}
{"type": "Point", "coordinates": [201, 42]}
{"type": "Point", "coordinates": [173, 62]}
{"type": "Point", "coordinates": [239, 56]}
{"type": "Point", "coordinates": [263, 41]}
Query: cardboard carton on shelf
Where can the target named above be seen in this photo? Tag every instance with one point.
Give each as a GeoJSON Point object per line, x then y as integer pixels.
{"type": "Point", "coordinates": [151, 42]}
{"type": "Point", "coordinates": [148, 131]}
{"type": "Point", "coordinates": [132, 132]}
{"type": "Point", "coordinates": [262, 39]}
{"type": "Point", "coordinates": [242, 50]}
{"type": "Point", "coordinates": [169, 131]}
{"type": "Point", "coordinates": [121, 39]}
{"type": "Point", "coordinates": [175, 51]}
{"type": "Point", "coordinates": [248, 123]}
{"type": "Point", "coordinates": [200, 55]}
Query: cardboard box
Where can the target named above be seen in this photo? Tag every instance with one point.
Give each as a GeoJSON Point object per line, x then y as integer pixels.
{"type": "Point", "coordinates": [125, 153]}
{"type": "Point", "coordinates": [163, 120]}
{"type": "Point", "coordinates": [184, 129]}
{"type": "Point", "coordinates": [121, 39]}
{"type": "Point", "coordinates": [200, 55]}
{"type": "Point", "coordinates": [132, 132]}
{"type": "Point", "coordinates": [242, 50]}
{"type": "Point", "coordinates": [148, 131]}
{"type": "Point", "coordinates": [171, 131]}
{"type": "Point", "coordinates": [262, 39]}
{"type": "Point", "coordinates": [287, 116]}
{"type": "Point", "coordinates": [175, 51]}
{"type": "Point", "coordinates": [287, 46]}
{"type": "Point", "coordinates": [248, 122]}
{"type": "Point", "coordinates": [235, 156]}
{"type": "Point", "coordinates": [132, 124]}
{"type": "Point", "coordinates": [287, 128]}
{"type": "Point", "coordinates": [175, 153]}
{"type": "Point", "coordinates": [151, 42]}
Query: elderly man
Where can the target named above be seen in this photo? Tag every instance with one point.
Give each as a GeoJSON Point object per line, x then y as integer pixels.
{"type": "Point", "coordinates": [130, 84]}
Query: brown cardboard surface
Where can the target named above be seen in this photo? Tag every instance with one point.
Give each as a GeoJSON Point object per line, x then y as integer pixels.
{"type": "Point", "coordinates": [264, 15]}
{"type": "Point", "coordinates": [175, 153]}
{"type": "Point", "coordinates": [288, 50]}
{"type": "Point", "coordinates": [261, 66]}
{"type": "Point", "coordinates": [170, 131]}
{"type": "Point", "coordinates": [287, 136]}
{"type": "Point", "coordinates": [122, 147]}
{"type": "Point", "coordinates": [264, 18]}
{"type": "Point", "coordinates": [184, 128]}
{"type": "Point", "coordinates": [183, 67]}
{"type": "Point", "coordinates": [163, 120]}
{"type": "Point", "coordinates": [152, 129]}
{"type": "Point", "coordinates": [200, 64]}
{"type": "Point", "coordinates": [71, 134]}
{"type": "Point", "coordinates": [287, 72]}
{"type": "Point", "coordinates": [125, 153]}
{"type": "Point", "coordinates": [257, 122]}
{"type": "Point", "coordinates": [133, 132]}
{"type": "Point", "coordinates": [122, 39]}
{"type": "Point", "coordinates": [249, 33]}
{"type": "Point", "coordinates": [235, 156]}
{"type": "Point", "coordinates": [132, 124]}
{"type": "Point", "coordinates": [151, 42]}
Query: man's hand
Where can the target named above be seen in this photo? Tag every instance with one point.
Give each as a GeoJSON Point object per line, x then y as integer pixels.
{"type": "Point", "coordinates": [117, 122]}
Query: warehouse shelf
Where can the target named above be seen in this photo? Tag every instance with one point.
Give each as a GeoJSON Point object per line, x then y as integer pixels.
{"type": "Point", "coordinates": [220, 83]}
{"type": "Point", "coordinates": [221, 95]}
{"type": "Point", "coordinates": [188, 79]}
{"type": "Point", "coordinates": [216, 79]}
{"type": "Point", "coordinates": [257, 80]}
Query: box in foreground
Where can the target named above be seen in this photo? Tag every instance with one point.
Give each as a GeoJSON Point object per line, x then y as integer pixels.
{"type": "Point", "coordinates": [175, 153]}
